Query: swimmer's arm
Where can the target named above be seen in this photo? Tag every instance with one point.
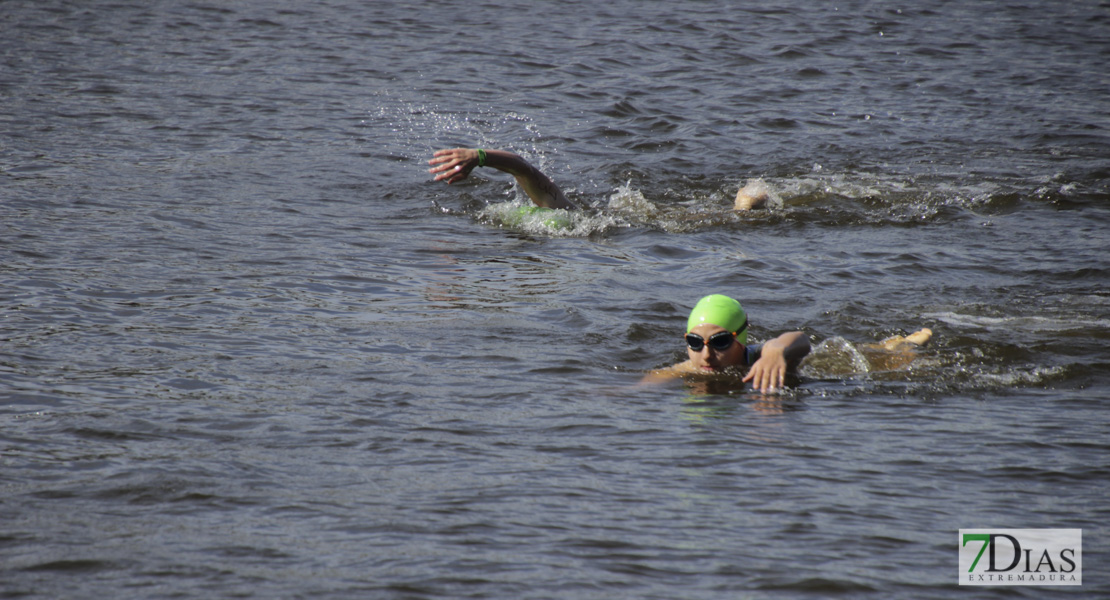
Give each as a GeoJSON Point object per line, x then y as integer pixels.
{"type": "Point", "coordinates": [456, 164]}
{"type": "Point", "coordinates": [752, 195]}
{"type": "Point", "coordinates": [777, 357]}
{"type": "Point", "coordinates": [538, 186]}
{"type": "Point", "coordinates": [667, 374]}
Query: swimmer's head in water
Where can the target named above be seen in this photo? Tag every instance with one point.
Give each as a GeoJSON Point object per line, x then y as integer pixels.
{"type": "Point", "coordinates": [721, 311]}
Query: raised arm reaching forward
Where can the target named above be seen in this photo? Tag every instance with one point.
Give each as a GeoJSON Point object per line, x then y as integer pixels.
{"type": "Point", "coordinates": [456, 164]}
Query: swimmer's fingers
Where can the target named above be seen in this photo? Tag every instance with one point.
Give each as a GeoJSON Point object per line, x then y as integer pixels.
{"type": "Point", "coordinates": [453, 165]}
{"type": "Point", "coordinates": [449, 168]}
{"type": "Point", "coordinates": [920, 337]}
{"type": "Point", "coordinates": [917, 338]}
{"type": "Point", "coordinates": [759, 379]}
{"type": "Point", "coordinates": [766, 378]}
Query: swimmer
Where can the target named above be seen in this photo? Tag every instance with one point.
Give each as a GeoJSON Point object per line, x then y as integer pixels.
{"type": "Point", "coordinates": [837, 357]}
{"type": "Point", "coordinates": [456, 164]}
{"type": "Point", "coordinates": [717, 342]}
{"type": "Point", "coordinates": [895, 352]}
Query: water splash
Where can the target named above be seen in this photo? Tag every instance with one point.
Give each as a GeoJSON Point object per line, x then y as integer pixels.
{"type": "Point", "coordinates": [524, 217]}
{"type": "Point", "coordinates": [630, 205]}
{"type": "Point", "coordinates": [629, 201]}
{"type": "Point", "coordinates": [417, 130]}
{"type": "Point", "coordinates": [835, 358]}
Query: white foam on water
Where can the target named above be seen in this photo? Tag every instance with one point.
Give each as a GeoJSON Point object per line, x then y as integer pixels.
{"type": "Point", "coordinates": [628, 204]}
{"type": "Point", "coordinates": [548, 223]}
{"type": "Point", "coordinates": [1016, 377]}
{"type": "Point", "coordinates": [630, 201]}
{"type": "Point", "coordinates": [1026, 323]}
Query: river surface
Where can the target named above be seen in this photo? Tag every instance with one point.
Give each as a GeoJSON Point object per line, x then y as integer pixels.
{"type": "Point", "coordinates": [249, 349]}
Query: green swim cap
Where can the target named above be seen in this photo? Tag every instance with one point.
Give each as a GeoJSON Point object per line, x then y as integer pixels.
{"type": "Point", "coordinates": [721, 311]}
{"type": "Point", "coordinates": [551, 217]}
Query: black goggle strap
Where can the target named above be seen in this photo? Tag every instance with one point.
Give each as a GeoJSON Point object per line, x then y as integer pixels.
{"type": "Point", "coordinates": [742, 327]}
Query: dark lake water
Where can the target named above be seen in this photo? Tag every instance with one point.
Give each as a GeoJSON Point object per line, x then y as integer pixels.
{"type": "Point", "coordinates": [249, 349]}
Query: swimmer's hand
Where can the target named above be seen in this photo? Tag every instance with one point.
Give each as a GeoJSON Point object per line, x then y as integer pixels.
{"type": "Point", "coordinates": [769, 372]}
{"type": "Point", "coordinates": [453, 165]}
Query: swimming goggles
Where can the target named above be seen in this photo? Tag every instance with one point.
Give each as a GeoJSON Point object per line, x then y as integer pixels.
{"type": "Point", "coordinates": [720, 341]}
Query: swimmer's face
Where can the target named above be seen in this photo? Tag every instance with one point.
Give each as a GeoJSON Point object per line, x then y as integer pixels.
{"type": "Point", "coordinates": [710, 360]}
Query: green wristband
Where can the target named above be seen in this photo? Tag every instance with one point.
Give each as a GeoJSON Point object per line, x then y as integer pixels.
{"type": "Point", "coordinates": [481, 157]}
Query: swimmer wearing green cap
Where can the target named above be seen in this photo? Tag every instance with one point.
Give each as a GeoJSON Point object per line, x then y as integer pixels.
{"type": "Point", "coordinates": [717, 342]}
{"type": "Point", "coordinates": [455, 165]}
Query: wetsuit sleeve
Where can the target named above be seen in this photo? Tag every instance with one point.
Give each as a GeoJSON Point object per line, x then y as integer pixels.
{"type": "Point", "coordinates": [754, 351]}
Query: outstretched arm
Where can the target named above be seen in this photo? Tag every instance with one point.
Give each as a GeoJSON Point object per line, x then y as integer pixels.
{"type": "Point", "coordinates": [456, 164]}
{"type": "Point", "coordinates": [777, 356]}
{"type": "Point", "coordinates": [895, 352]}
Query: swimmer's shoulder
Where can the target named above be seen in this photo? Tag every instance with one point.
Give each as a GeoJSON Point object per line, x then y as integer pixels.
{"type": "Point", "coordinates": [752, 353]}
{"type": "Point", "coordinates": [668, 373]}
